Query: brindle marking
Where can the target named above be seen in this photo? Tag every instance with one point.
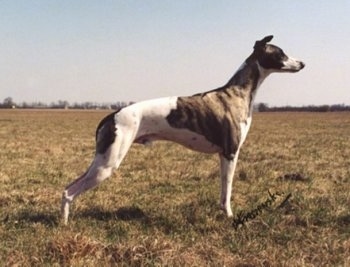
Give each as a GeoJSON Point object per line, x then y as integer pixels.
{"type": "Point", "coordinates": [212, 119]}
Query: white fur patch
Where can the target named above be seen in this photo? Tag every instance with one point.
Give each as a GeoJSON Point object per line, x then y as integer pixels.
{"type": "Point", "coordinates": [245, 129]}
{"type": "Point", "coordinates": [263, 74]}
{"type": "Point", "coordinates": [291, 64]}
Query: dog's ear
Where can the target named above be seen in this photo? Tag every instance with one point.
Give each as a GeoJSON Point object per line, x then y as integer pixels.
{"type": "Point", "coordinates": [267, 39]}
{"type": "Point", "coordinates": [263, 42]}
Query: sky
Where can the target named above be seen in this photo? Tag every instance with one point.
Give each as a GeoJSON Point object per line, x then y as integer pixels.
{"type": "Point", "coordinates": [132, 50]}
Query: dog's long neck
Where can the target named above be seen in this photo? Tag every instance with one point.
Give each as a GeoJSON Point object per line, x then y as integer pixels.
{"type": "Point", "coordinates": [246, 77]}
{"type": "Point", "coordinates": [245, 82]}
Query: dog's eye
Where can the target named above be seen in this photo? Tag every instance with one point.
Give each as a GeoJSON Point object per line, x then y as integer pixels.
{"type": "Point", "coordinates": [281, 57]}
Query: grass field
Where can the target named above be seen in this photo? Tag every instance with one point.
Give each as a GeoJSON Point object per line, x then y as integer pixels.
{"type": "Point", "coordinates": [161, 207]}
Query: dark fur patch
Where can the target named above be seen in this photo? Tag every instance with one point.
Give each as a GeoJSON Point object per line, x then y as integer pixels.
{"type": "Point", "coordinates": [105, 133]}
{"type": "Point", "coordinates": [272, 58]}
{"type": "Point", "coordinates": [209, 117]}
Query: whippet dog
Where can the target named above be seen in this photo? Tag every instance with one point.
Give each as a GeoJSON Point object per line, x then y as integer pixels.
{"type": "Point", "coordinates": [216, 121]}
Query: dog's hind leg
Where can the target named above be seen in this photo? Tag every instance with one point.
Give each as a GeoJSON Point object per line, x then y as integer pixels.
{"type": "Point", "coordinates": [100, 169]}
{"type": "Point", "coordinates": [228, 167]}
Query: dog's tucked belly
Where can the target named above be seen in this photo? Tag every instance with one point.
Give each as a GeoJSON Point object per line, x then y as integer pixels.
{"type": "Point", "coordinates": [183, 137]}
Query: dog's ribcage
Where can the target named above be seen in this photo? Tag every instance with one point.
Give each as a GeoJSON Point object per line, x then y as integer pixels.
{"type": "Point", "coordinates": [147, 122]}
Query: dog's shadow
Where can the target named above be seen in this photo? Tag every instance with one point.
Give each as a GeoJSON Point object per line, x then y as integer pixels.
{"type": "Point", "coordinates": [167, 224]}
{"type": "Point", "coordinates": [131, 214]}
{"type": "Point", "coordinates": [51, 219]}
{"type": "Point", "coordinates": [123, 213]}
{"type": "Point", "coordinates": [24, 217]}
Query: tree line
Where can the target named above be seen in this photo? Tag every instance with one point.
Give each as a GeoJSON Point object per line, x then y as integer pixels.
{"type": "Point", "coordinates": [63, 104]}
{"type": "Point", "coordinates": [263, 107]}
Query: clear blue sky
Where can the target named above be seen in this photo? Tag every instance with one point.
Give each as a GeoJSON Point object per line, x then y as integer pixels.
{"type": "Point", "coordinates": [106, 51]}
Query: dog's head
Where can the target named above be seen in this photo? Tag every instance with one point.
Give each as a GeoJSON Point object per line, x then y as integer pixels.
{"type": "Point", "coordinates": [272, 58]}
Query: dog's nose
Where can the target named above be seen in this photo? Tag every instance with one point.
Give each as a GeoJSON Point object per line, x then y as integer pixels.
{"type": "Point", "coordinates": [302, 65]}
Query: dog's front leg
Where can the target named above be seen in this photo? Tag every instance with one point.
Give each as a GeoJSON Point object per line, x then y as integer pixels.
{"type": "Point", "coordinates": [228, 167]}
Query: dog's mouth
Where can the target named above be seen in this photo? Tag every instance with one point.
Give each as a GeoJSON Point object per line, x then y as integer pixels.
{"type": "Point", "coordinates": [293, 66]}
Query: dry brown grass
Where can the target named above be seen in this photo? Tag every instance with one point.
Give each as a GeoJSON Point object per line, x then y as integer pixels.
{"type": "Point", "coordinates": [161, 207]}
